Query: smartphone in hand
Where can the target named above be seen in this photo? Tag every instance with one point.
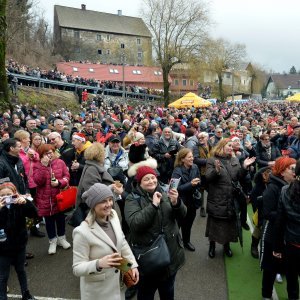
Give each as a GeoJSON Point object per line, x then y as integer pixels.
{"type": "Point", "coordinates": [125, 265]}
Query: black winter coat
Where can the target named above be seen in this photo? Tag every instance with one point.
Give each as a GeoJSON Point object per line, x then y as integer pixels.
{"type": "Point", "coordinates": [144, 220]}
{"type": "Point", "coordinates": [13, 221]}
{"type": "Point", "coordinates": [220, 191]}
{"type": "Point", "coordinates": [287, 223]}
{"type": "Point", "coordinates": [269, 206]}
{"type": "Point", "coordinates": [262, 157]}
{"type": "Point", "coordinates": [165, 165]}
{"type": "Point", "coordinates": [13, 168]}
{"type": "Point", "coordinates": [185, 188]}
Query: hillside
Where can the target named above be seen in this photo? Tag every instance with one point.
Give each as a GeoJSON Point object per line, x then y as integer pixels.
{"type": "Point", "coordinates": [47, 100]}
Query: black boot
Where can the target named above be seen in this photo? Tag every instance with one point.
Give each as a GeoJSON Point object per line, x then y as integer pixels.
{"type": "Point", "coordinates": [254, 247]}
{"type": "Point", "coordinates": [227, 250]}
{"type": "Point", "coordinates": [27, 296]}
{"type": "Point", "coordinates": [35, 232]}
{"type": "Point", "coordinates": [212, 249]}
{"type": "Point", "coordinates": [189, 246]}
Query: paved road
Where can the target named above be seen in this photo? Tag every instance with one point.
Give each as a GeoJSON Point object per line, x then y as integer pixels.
{"type": "Point", "coordinates": [51, 276]}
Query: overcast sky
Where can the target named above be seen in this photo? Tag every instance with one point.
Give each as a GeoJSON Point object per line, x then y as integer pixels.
{"type": "Point", "coordinates": [270, 29]}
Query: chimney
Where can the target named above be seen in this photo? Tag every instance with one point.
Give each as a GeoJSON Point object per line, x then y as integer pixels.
{"type": "Point", "coordinates": [83, 6]}
{"type": "Point", "coordinates": [119, 12]}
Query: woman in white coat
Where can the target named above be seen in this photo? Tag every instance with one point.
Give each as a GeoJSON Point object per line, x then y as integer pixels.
{"type": "Point", "coordinates": [98, 247]}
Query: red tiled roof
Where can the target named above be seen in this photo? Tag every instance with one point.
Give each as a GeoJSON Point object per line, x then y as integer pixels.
{"type": "Point", "coordinates": [132, 74]}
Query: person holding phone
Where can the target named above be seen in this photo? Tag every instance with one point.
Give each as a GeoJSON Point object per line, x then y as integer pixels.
{"type": "Point", "coordinates": [14, 209]}
{"type": "Point", "coordinates": [100, 249]}
{"type": "Point", "coordinates": [189, 182]}
{"type": "Point", "coordinates": [148, 211]}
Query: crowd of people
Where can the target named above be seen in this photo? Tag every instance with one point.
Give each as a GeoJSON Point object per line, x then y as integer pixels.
{"type": "Point", "coordinates": [54, 74]}
{"type": "Point", "coordinates": [142, 173]}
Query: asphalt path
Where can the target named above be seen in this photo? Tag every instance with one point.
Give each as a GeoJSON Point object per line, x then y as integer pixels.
{"type": "Point", "coordinates": [51, 277]}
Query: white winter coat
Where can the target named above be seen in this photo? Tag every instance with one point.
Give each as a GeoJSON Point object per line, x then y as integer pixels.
{"type": "Point", "coordinates": [90, 243]}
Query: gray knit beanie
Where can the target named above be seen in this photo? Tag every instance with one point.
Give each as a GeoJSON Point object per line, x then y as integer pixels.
{"type": "Point", "coordinates": [96, 194]}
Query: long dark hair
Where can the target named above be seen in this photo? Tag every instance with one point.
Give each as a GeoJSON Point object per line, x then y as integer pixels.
{"type": "Point", "coordinates": [295, 185]}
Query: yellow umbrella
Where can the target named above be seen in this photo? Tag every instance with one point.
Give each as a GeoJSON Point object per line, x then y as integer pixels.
{"type": "Point", "coordinates": [189, 100]}
{"type": "Point", "coordinates": [294, 98]}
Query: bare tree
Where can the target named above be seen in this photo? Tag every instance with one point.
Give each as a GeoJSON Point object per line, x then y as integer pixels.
{"type": "Point", "coordinates": [220, 55]}
{"type": "Point", "coordinates": [177, 27]}
{"type": "Point", "coordinates": [4, 99]}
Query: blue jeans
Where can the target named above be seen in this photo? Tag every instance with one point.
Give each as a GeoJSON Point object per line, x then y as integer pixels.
{"type": "Point", "coordinates": [55, 225]}
{"type": "Point", "coordinates": [147, 287]}
{"type": "Point", "coordinates": [18, 260]}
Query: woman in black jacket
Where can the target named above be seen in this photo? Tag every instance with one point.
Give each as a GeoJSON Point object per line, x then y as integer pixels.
{"type": "Point", "coordinates": [287, 228]}
{"type": "Point", "coordinates": [13, 236]}
{"type": "Point", "coordinates": [223, 170]}
{"type": "Point", "coordinates": [148, 212]}
{"type": "Point", "coordinates": [189, 176]}
{"type": "Point", "coordinates": [283, 173]}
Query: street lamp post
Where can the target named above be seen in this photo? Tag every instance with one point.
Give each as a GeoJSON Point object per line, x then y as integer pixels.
{"type": "Point", "coordinates": [123, 72]}
{"type": "Point", "coordinates": [232, 85]}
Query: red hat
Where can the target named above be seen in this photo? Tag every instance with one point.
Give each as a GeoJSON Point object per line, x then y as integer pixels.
{"type": "Point", "coordinates": [234, 137]}
{"type": "Point", "coordinates": [79, 136]}
{"type": "Point", "coordinates": [142, 171]}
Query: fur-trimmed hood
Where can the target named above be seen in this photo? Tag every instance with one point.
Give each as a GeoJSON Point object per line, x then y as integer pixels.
{"type": "Point", "coordinates": [150, 162]}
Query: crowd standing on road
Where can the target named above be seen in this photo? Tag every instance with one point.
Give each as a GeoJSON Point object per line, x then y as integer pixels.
{"type": "Point", "coordinates": [124, 162]}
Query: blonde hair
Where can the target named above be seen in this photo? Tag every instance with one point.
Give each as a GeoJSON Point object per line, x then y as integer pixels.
{"type": "Point", "coordinates": [95, 152]}
{"type": "Point", "coordinates": [218, 150]}
{"type": "Point", "coordinates": [21, 134]}
{"type": "Point", "coordinates": [182, 153]}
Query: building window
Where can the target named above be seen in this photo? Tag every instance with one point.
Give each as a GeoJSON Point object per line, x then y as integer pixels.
{"type": "Point", "coordinates": [91, 70]}
{"type": "Point", "coordinates": [76, 34]}
{"type": "Point", "coordinates": [113, 71]}
{"type": "Point", "coordinates": [77, 50]}
{"type": "Point", "coordinates": [99, 37]}
{"type": "Point", "coordinates": [108, 52]}
{"type": "Point", "coordinates": [184, 82]}
{"type": "Point", "coordinates": [138, 41]}
{"type": "Point", "coordinates": [136, 72]}
{"type": "Point", "coordinates": [108, 38]}
{"type": "Point", "coordinates": [75, 69]}
{"type": "Point", "coordinates": [191, 82]}
{"type": "Point", "coordinates": [157, 73]}
{"type": "Point", "coordinates": [176, 82]}
{"type": "Point", "coordinates": [140, 55]}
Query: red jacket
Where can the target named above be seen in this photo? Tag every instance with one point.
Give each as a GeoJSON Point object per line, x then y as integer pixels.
{"type": "Point", "coordinates": [45, 194]}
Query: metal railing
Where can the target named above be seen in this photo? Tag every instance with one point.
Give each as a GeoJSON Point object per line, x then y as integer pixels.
{"type": "Point", "coordinates": [40, 82]}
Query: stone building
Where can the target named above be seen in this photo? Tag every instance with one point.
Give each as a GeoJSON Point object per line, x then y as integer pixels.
{"type": "Point", "coordinates": [86, 35]}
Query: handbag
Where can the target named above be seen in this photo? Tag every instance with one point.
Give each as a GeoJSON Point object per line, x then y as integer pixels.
{"type": "Point", "coordinates": [197, 198]}
{"type": "Point", "coordinates": [127, 278]}
{"type": "Point", "coordinates": [152, 258]}
{"type": "Point", "coordinates": [66, 198]}
{"type": "Point", "coordinates": [79, 215]}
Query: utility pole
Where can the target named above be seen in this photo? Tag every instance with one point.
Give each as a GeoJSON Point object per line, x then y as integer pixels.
{"type": "Point", "coordinates": [123, 72]}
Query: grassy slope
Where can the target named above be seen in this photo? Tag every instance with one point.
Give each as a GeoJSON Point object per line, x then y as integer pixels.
{"type": "Point", "coordinates": [48, 100]}
{"type": "Point", "coordinates": [243, 273]}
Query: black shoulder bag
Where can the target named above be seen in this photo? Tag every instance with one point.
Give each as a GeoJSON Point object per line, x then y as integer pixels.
{"type": "Point", "coordinates": [153, 257]}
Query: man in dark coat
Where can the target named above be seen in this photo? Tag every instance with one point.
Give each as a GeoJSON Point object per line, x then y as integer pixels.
{"type": "Point", "coordinates": [11, 165]}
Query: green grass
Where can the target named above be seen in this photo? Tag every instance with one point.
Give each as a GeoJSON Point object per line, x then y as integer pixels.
{"type": "Point", "coordinates": [48, 100]}
{"type": "Point", "coordinates": [244, 275]}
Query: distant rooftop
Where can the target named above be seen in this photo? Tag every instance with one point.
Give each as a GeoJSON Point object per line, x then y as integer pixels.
{"type": "Point", "coordinates": [81, 18]}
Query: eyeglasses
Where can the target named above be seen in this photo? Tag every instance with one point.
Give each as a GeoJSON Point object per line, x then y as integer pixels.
{"type": "Point", "coordinates": [219, 131]}
{"type": "Point", "coordinates": [53, 139]}
{"type": "Point", "coordinates": [292, 169]}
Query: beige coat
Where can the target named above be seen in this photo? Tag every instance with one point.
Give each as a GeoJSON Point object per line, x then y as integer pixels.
{"type": "Point", "coordinates": [90, 243]}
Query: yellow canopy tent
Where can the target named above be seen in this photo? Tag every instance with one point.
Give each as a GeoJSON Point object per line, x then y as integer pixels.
{"type": "Point", "coordinates": [295, 98]}
{"type": "Point", "coordinates": [189, 100]}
